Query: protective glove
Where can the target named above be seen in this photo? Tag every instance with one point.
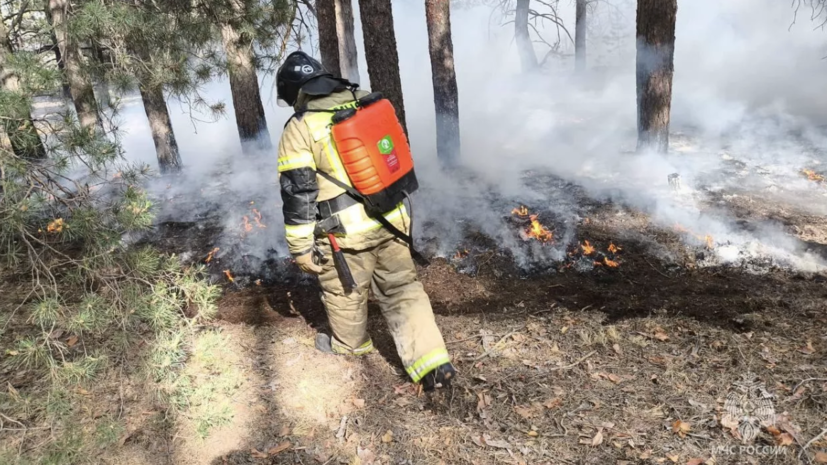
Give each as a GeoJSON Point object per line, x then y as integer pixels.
{"type": "Point", "coordinates": [307, 263]}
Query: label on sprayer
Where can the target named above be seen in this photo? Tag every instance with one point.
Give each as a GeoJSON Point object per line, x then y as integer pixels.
{"type": "Point", "coordinates": [388, 151]}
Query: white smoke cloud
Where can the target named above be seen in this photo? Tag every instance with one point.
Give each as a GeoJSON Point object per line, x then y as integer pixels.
{"type": "Point", "coordinates": [746, 87]}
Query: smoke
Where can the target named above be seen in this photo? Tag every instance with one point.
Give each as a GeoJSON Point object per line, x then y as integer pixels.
{"type": "Point", "coordinates": [746, 117]}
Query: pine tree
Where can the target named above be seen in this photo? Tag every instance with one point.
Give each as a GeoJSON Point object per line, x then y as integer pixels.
{"type": "Point", "coordinates": [18, 133]}
{"type": "Point", "coordinates": [328, 38]}
{"type": "Point", "coordinates": [446, 99]}
{"type": "Point", "coordinates": [152, 93]}
{"type": "Point", "coordinates": [80, 85]}
{"type": "Point", "coordinates": [381, 53]}
{"type": "Point", "coordinates": [241, 65]}
{"type": "Point", "coordinates": [581, 24]}
{"type": "Point", "coordinates": [655, 66]}
{"type": "Point", "coordinates": [526, 49]}
{"type": "Point", "coordinates": [348, 54]}
{"type": "Point", "coordinates": [58, 57]}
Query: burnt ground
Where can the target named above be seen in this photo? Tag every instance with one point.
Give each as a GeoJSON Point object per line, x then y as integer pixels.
{"type": "Point", "coordinates": [567, 363]}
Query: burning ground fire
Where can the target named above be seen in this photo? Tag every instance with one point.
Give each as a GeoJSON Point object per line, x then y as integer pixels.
{"type": "Point", "coordinates": [211, 255]}
{"type": "Point", "coordinates": [588, 250]}
{"type": "Point", "coordinates": [812, 175]}
{"type": "Point", "coordinates": [710, 242]}
{"type": "Point", "coordinates": [535, 230]}
{"type": "Point", "coordinates": [247, 226]}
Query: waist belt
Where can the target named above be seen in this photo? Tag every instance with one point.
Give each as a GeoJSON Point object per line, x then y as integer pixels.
{"type": "Point", "coordinates": [358, 198]}
{"type": "Point", "coordinates": [328, 208]}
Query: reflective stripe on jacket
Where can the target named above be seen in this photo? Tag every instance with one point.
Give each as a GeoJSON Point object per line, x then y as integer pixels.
{"type": "Point", "coordinates": [306, 146]}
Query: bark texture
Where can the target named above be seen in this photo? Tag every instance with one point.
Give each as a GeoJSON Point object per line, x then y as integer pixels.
{"type": "Point", "coordinates": [381, 54]}
{"type": "Point", "coordinates": [446, 98]}
{"type": "Point", "coordinates": [169, 159]}
{"type": "Point", "coordinates": [526, 49]}
{"type": "Point", "coordinates": [328, 39]}
{"type": "Point", "coordinates": [157, 113]}
{"type": "Point", "coordinates": [348, 54]}
{"type": "Point", "coordinates": [58, 57]}
{"type": "Point", "coordinates": [581, 22]}
{"type": "Point", "coordinates": [249, 111]}
{"type": "Point", "coordinates": [18, 133]}
{"type": "Point", "coordinates": [655, 66]}
{"type": "Point", "coordinates": [103, 85]}
{"type": "Point", "coordinates": [80, 86]}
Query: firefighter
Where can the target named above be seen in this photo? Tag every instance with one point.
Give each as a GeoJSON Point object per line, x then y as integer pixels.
{"type": "Point", "coordinates": [379, 261]}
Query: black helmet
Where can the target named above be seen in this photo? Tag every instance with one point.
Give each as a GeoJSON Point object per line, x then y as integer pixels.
{"type": "Point", "coordinates": [301, 71]}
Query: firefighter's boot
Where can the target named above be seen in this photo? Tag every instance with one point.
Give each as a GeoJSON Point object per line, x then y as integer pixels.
{"type": "Point", "coordinates": [324, 344]}
{"type": "Point", "coordinates": [440, 377]}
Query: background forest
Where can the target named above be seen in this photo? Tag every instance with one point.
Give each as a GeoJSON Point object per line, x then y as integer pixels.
{"type": "Point", "coordinates": [625, 202]}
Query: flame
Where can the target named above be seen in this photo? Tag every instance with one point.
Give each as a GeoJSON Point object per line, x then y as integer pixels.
{"type": "Point", "coordinates": [210, 255]}
{"type": "Point", "coordinates": [522, 211]}
{"type": "Point", "coordinates": [536, 230]}
{"type": "Point", "coordinates": [812, 175]}
{"type": "Point", "coordinates": [257, 219]}
{"type": "Point", "coordinates": [709, 242]}
{"type": "Point", "coordinates": [55, 226]}
{"type": "Point", "coordinates": [229, 276]}
{"type": "Point", "coordinates": [613, 248]}
{"type": "Point", "coordinates": [610, 263]}
{"type": "Point", "coordinates": [460, 254]}
{"type": "Point", "coordinates": [247, 226]}
{"type": "Point", "coordinates": [258, 282]}
{"type": "Point", "coordinates": [539, 232]}
{"type": "Point", "coordinates": [587, 248]}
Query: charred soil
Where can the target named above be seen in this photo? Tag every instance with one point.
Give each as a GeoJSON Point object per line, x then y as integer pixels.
{"type": "Point", "coordinates": [578, 362]}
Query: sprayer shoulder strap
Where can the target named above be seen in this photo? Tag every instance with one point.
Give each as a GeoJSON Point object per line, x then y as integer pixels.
{"type": "Point", "coordinates": [380, 218]}
{"type": "Point", "coordinates": [361, 199]}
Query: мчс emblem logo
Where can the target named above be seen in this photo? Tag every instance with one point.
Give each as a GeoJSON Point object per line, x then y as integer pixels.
{"type": "Point", "coordinates": [749, 406]}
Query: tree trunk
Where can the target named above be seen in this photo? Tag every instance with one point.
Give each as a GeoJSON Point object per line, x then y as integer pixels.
{"type": "Point", "coordinates": [524, 45]}
{"type": "Point", "coordinates": [328, 38]}
{"type": "Point", "coordinates": [249, 111]}
{"type": "Point", "coordinates": [581, 22]}
{"type": "Point", "coordinates": [446, 99]}
{"type": "Point", "coordinates": [157, 113]}
{"type": "Point", "coordinates": [348, 54]}
{"type": "Point", "coordinates": [80, 86]}
{"type": "Point", "coordinates": [58, 57]}
{"type": "Point", "coordinates": [381, 54]}
{"type": "Point", "coordinates": [103, 84]}
{"type": "Point", "coordinates": [18, 133]}
{"type": "Point", "coordinates": [655, 66]}
{"type": "Point", "coordinates": [169, 160]}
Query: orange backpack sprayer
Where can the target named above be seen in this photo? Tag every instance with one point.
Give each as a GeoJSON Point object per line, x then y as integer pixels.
{"type": "Point", "coordinates": [377, 159]}
{"type": "Point", "coordinates": [375, 152]}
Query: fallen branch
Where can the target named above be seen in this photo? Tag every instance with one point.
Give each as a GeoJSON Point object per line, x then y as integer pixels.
{"type": "Point", "coordinates": [659, 271]}
{"type": "Point", "coordinates": [810, 443]}
{"type": "Point", "coordinates": [807, 381]}
{"type": "Point", "coordinates": [572, 365]}
{"type": "Point", "coordinates": [465, 340]}
{"type": "Point", "coordinates": [493, 349]}
{"type": "Point", "coordinates": [550, 309]}
{"type": "Point", "coordinates": [340, 434]}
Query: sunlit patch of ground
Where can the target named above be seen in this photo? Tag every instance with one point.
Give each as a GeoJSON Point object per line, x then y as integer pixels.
{"type": "Point", "coordinates": [217, 396]}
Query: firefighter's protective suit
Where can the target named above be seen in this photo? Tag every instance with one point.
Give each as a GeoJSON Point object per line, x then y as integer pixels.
{"type": "Point", "coordinates": [378, 260]}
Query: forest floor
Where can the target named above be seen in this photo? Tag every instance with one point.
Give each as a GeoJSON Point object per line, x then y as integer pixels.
{"type": "Point", "coordinates": [581, 363]}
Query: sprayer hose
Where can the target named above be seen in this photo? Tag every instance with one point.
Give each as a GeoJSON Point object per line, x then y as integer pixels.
{"type": "Point", "coordinates": [410, 215]}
